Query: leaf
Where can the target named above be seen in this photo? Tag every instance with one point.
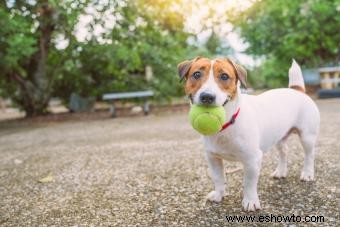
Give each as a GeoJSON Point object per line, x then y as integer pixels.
{"type": "Point", "coordinates": [47, 179]}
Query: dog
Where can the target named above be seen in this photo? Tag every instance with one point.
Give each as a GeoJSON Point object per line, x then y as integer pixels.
{"type": "Point", "coordinates": [256, 123]}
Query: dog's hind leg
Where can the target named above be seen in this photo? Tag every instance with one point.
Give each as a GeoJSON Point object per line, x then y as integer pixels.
{"type": "Point", "coordinates": [308, 143]}
{"type": "Point", "coordinates": [281, 169]}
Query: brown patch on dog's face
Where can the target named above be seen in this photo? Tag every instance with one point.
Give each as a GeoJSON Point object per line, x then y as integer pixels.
{"type": "Point", "coordinates": [225, 76]}
{"type": "Point", "coordinates": [192, 84]}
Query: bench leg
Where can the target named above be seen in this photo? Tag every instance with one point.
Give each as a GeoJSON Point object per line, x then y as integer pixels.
{"type": "Point", "coordinates": [146, 108]}
{"type": "Point", "coordinates": [113, 110]}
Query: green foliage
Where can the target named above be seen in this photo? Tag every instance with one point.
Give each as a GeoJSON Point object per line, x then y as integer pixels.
{"type": "Point", "coordinates": [281, 30]}
{"type": "Point", "coordinates": [272, 73]}
{"type": "Point", "coordinates": [141, 38]}
{"type": "Point", "coordinates": [145, 33]}
{"type": "Point", "coordinates": [17, 42]}
{"type": "Point", "coordinates": [30, 61]}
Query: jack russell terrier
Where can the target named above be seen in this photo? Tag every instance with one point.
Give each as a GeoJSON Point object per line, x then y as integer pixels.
{"type": "Point", "coordinates": [256, 123]}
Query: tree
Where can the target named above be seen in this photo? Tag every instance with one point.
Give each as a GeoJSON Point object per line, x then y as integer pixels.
{"type": "Point", "coordinates": [280, 30]}
{"type": "Point", "coordinates": [145, 33]}
{"type": "Point", "coordinates": [29, 30]}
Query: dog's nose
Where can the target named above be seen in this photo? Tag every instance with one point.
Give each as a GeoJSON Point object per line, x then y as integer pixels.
{"type": "Point", "coordinates": [207, 98]}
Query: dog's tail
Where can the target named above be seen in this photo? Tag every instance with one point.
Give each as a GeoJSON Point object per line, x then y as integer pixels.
{"type": "Point", "coordinates": [295, 77]}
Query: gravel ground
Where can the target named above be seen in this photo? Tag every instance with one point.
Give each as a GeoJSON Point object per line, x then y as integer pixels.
{"type": "Point", "coordinates": [149, 171]}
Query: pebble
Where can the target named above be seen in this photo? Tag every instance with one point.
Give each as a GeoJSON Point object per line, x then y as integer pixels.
{"type": "Point", "coordinates": [18, 161]}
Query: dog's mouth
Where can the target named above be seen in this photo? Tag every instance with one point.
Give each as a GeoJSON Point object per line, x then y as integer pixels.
{"type": "Point", "coordinates": [214, 104]}
{"type": "Point", "coordinates": [226, 100]}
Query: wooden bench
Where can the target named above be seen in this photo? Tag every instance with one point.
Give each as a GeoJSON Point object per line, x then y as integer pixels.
{"type": "Point", "coordinates": [129, 95]}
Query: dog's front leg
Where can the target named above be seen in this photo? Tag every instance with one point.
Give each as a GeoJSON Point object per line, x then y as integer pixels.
{"type": "Point", "coordinates": [252, 166]}
{"type": "Point", "coordinates": [216, 170]}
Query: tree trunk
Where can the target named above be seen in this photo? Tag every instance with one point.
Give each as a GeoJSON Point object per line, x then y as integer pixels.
{"type": "Point", "coordinates": [35, 89]}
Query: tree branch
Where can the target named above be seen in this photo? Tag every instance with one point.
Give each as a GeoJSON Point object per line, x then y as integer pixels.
{"type": "Point", "coordinates": [19, 79]}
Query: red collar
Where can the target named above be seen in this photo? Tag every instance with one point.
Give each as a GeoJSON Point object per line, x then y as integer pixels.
{"type": "Point", "coordinates": [232, 120]}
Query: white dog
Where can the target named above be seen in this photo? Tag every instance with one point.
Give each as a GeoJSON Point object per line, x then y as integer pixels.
{"type": "Point", "coordinates": [256, 123]}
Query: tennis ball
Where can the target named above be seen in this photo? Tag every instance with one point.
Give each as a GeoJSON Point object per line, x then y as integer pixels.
{"type": "Point", "coordinates": [207, 120]}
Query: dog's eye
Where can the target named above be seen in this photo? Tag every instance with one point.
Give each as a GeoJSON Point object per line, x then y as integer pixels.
{"type": "Point", "coordinates": [224, 76]}
{"type": "Point", "coordinates": [196, 75]}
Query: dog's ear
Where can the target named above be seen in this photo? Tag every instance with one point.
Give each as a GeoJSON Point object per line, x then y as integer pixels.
{"type": "Point", "coordinates": [184, 67]}
{"type": "Point", "coordinates": [240, 72]}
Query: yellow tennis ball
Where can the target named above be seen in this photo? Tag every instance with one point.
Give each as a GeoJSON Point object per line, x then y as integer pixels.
{"type": "Point", "coordinates": [207, 120]}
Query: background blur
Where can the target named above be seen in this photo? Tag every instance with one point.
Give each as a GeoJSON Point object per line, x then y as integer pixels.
{"type": "Point", "coordinates": [52, 49]}
{"type": "Point", "coordinates": [66, 162]}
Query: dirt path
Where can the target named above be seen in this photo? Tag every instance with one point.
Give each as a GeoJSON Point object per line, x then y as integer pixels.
{"type": "Point", "coordinates": [148, 171]}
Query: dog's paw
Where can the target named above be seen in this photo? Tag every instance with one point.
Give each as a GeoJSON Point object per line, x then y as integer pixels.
{"type": "Point", "coordinates": [215, 196]}
{"type": "Point", "coordinates": [251, 204]}
{"type": "Point", "coordinates": [279, 173]}
{"type": "Point", "coordinates": [307, 176]}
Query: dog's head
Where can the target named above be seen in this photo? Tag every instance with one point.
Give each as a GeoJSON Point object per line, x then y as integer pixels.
{"type": "Point", "coordinates": [211, 82]}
